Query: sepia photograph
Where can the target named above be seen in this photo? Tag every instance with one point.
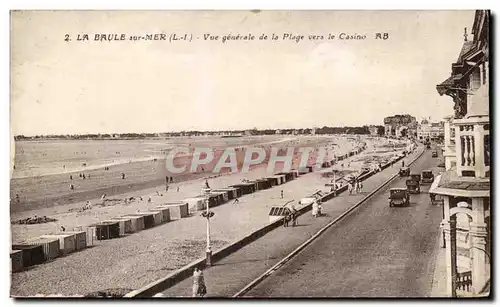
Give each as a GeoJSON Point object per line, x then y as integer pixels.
{"type": "Point", "coordinates": [247, 154]}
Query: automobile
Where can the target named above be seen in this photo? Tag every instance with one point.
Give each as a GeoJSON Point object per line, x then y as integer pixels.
{"type": "Point", "coordinates": [427, 177]}
{"type": "Point", "coordinates": [413, 186]}
{"type": "Point", "coordinates": [404, 172]}
{"type": "Point", "coordinates": [434, 154]}
{"type": "Point", "coordinates": [399, 197]}
{"type": "Point", "coordinates": [416, 177]}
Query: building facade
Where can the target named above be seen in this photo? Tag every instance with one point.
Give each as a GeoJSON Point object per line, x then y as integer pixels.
{"type": "Point", "coordinates": [465, 185]}
{"type": "Point", "coordinates": [400, 126]}
{"type": "Point", "coordinates": [430, 130]}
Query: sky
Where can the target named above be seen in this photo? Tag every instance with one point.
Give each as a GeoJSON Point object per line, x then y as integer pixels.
{"type": "Point", "coordinates": [60, 87]}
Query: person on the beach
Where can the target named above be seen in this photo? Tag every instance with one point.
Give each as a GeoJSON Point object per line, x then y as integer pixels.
{"type": "Point", "coordinates": [166, 188]}
{"type": "Point", "coordinates": [71, 187]}
{"type": "Point", "coordinates": [171, 179]}
{"type": "Point", "coordinates": [149, 199]}
{"type": "Point", "coordinates": [360, 186]}
{"type": "Point", "coordinates": [177, 188]}
{"type": "Point", "coordinates": [123, 175]}
{"type": "Point", "coordinates": [403, 163]}
{"type": "Point", "coordinates": [236, 201]}
{"type": "Point", "coordinates": [80, 175]}
{"type": "Point", "coordinates": [17, 198]}
{"type": "Point", "coordinates": [103, 196]}
{"type": "Point", "coordinates": [83, 176]}
{"type": "Point", "coordinates": [206, 184]}
{"type": "Point", "coordinates": [63, 229]}
{"type": "Point", "coordinates": [199, 287]}
{"type": "Point", "coordinates": [88, 176]}
{"type": "Point", "coordinates": [350, 188]}
{"type": "Point", "coordinates": [70, 177]}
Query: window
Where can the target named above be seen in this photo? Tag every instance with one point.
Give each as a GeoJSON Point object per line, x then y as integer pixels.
{"type": "Point", "coordinates": [475, 79]}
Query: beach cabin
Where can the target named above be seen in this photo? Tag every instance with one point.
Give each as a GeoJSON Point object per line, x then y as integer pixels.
{"type": "Point", "coordinates": [136, 222]}
{"type": "Point", "coordinates": [213, 199]}
{"type": "Point", "coordinates": [231, 192]}
{"type": "Point", "coordinates": [245, 188]}
{"type": "Point", "coordinates": [16, 260]}
{"type": "Point", "coordinates": [50, 246]}
{"type": "Point", "coordinates": [281, 178]}
{"type": "Point", "coordinates": [66, 242]}
{"type": "Point", "coordinates": [165, 212]}
{"type": "Point", "coordinates": [219, 196]}
{"type": "Point", "coordinates": [177, 210]}
{"type": "Point", "coordinates": [107, 230]}
{"type": "Point", "coordinates": [80, 238]}
{"type": "Point", "coordinates": [32, 254]}
{"type": "Point", "coordinates": [304, 170]}
{"type": "Point", "coordinates": [277, 213]}
{"type": "Point", "coordinates": [289, 176]}
{"type": "Point", "coordinates": [225, 195]}
{"type": "Point", "coordinates": [124, 223]}
{"type": "Point", "coordinates": [157, 216]}
{"type": "Point", "coordinates": [264, 184]}
{"type": "Point", "coordinates": [196, 203]}
{"type": "Point", "coordinates": [149, 220]}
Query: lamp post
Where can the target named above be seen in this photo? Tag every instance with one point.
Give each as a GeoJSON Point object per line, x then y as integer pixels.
{"type": "Point", "coordinates": [208, 214]}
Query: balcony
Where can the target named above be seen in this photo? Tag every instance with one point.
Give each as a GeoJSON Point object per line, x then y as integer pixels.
{"type": "Point", "coordinates": [472, 146]}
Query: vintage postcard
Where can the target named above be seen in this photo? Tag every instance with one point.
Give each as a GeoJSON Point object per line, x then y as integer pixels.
{"type": "Point", "coordinates": [250, 154]}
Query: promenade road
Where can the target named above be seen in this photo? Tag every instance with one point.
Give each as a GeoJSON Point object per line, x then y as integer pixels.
{"type": "Point", "coordinates": [231, 274]}
{"type": "Point", "coordinates": [377, 251]}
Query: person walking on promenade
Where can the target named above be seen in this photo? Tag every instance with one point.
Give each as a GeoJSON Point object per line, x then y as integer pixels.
{"type": "Point", "coordinates": [294, 215]}
{"type": "Point", "coordinates": [199, 287]}
{"type": "Point", "coordinates": [403, 163]}
{"type": "Point", "coordinates": [315, 209]}
{"type": "Point", "coordinates": [360, 187]}
{"type": "Point", "coordinates": [350, 188]}
{"type": "Point", "coordinates": [281, 194]}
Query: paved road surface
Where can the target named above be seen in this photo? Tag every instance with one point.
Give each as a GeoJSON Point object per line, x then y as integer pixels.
{"type": "Point", "coordinates": [377, 251]}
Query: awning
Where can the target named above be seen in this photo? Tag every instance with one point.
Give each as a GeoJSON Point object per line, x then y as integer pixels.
{"type": "Point", "coordinates": [435, 184]}
{"type": "Point", "coordinates": [445, 85]}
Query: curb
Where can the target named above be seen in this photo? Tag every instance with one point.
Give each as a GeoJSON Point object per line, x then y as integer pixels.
{"type": "Point", "coordinates": [187, 270]}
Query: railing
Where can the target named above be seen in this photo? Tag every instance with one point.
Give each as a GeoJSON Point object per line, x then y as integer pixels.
{"type": "Point", "coordinates": [472, 143]}
{"type": "Point", "coordinates": [464, 281]}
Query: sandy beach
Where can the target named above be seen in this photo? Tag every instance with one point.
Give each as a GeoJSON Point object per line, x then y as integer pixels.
{"type": "Point", "coordinates": [142, 182]}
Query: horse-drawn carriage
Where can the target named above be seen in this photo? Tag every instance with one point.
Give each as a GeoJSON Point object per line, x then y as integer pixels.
{"type": "Point", "coordinates": [399, 197]}
{"type": "Point", "coordinates": [404, 172]}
